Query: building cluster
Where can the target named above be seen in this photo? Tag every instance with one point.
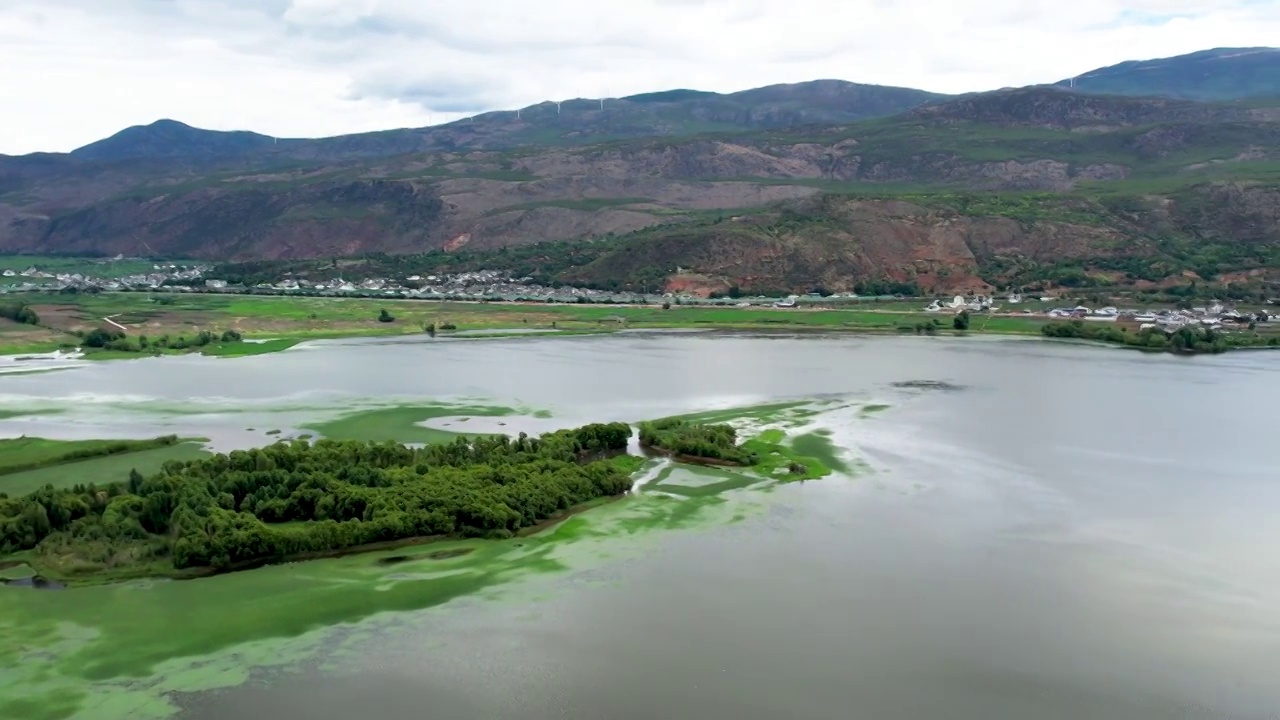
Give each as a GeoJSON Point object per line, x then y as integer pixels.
{"type": "Point", "coordinates": [160, 274]}
{"type": "Point", "coordinates": [482, 285]}
{"type": "Point", "coordinates": [1214, 316]}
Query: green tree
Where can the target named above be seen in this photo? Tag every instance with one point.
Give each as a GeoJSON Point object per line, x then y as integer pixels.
{"type": "Point", "coordinates": [961, 320]}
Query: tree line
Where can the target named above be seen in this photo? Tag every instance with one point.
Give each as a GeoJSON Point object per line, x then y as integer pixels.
{"type": "Point", "coordinates": [1187, 339]}
{"type": "Point", "coordinates": [113, 339]}
{"type": "Point", "coordinates": [250, 506]}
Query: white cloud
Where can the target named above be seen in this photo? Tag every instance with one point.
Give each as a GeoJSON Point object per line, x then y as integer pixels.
{"type": "Point", "coordinates": [73, 71]}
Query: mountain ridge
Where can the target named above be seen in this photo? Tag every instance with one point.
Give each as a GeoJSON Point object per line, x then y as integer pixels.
{"type": "Point", "coordinates": [1200, 75]}
{"type": "Point", "coordinates": [682, 172]}
{"type": "Point", "coordinates": [683, 112]}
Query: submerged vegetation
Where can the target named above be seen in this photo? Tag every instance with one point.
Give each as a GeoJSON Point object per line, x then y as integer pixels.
{"type": "Point", "coordinates": [298, 499]}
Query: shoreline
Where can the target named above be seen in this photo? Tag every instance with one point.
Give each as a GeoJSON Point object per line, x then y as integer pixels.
{"type": "Point", "coordinates": [109, 356]}
{"type": "Point", "coordinates": [269, 324]}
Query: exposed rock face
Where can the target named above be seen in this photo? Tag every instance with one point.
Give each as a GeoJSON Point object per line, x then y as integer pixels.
{"type": "Point", "coordinates": [1239, 212]}
{"type": "Point", "coordinates": [852, 240]}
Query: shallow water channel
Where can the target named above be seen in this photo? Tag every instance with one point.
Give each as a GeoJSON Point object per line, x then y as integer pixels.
{"type": "Point", "coordinates": [1043, 530]}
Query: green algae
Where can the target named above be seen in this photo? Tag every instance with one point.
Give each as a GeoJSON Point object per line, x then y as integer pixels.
{"type": "Point", "coordinates": [817, 446]}
{"type": "Point", "coordinates": [764, 413]}
{"type": "Point", "coordinates": [121, 651]}
{"type": "Point", "coordinates": [777, 458]}
{"type": "Point", "coordinates": [402, 423]}
{"type": "Point", "coordinates": [691, 481]}
{"type": "Point", "coordinates": [130, 650]}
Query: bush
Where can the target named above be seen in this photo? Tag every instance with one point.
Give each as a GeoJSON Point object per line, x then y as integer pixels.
{"type": "Point", "coordinates": [961, 321]}
{"type": "Point", "coordinates": [101, 337]}
{"type": "Point", "coordinates": [19, 313]}
{"type": "Point", "coordinates": [384, 316]}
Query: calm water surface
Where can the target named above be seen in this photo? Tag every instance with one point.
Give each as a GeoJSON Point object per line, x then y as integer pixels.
{"type": "Point", "coordinates": [1076, 533]}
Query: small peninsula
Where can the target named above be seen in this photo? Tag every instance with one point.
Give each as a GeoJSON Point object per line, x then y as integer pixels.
{"type": "Point", "coordinates": [297, 500]}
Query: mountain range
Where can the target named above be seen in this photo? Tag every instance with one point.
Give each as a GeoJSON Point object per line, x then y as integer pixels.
{"type": "Point", "coordinates": [1143, 172]}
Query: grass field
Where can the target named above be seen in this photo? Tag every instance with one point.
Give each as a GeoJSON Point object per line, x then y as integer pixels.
{"type": "Point", "coordinates": [284, 321]}
{"type": "Point", "coordinates": [100, 470]}
{"type": "Point", "coordinates": [25, 452]}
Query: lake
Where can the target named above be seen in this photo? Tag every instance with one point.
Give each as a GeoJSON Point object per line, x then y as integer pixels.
{"type": "Point", "coordinates": [1050, 531]}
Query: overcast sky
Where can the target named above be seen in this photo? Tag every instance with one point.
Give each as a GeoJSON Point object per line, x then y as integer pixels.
{"type": "Point", "coordinates": [73, 71]}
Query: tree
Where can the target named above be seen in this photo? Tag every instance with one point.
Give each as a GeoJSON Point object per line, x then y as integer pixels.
{"type": "Point", "coordinates": [99, 337]}
{"type": "Point", "coordinates": [961, 320]}
{"type": "Point", "coordinates": [384, 316]}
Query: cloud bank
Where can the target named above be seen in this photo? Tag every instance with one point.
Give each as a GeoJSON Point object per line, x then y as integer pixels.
{"type": "Point", "coordinates": [73, 71]}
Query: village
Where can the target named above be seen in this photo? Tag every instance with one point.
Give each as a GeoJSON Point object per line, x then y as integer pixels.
{"type": "Point", "coordinates": [1215, 315]}
{"type": "Point", "coordinates": [496, 286]}
{"type": "Point", "coordinates": [35, 279]}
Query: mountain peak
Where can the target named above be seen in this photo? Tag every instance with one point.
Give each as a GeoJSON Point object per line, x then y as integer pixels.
{"type": "Point", "coordinates": [170, 138]}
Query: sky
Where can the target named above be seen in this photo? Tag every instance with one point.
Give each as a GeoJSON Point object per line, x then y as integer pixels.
{"type": "Point", "coordinates": [74, 71]}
